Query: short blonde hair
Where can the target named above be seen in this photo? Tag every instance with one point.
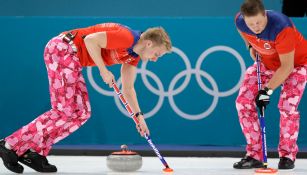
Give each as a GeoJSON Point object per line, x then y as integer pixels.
{"type": "Point", "coordinates": [158, 36]}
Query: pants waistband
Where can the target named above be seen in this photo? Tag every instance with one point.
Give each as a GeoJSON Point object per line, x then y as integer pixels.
{"type": "Point", "coordinates": [68, 38]}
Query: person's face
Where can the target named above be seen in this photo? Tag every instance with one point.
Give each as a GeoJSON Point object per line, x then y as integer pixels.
{"type": "Point", "coordinates": [151, 52]}
{"type": "Point", "coordinates": [256, 23]}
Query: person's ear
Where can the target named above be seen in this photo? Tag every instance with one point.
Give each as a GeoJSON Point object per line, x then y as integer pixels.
{"type": "Point", "coordinates": [148, 43]}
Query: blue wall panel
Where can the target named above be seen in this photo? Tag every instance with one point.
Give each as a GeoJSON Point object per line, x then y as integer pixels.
{"type": "Point", "coordinates": [169, 97]}
{"type": "Point", "coordinates": [117, 8]}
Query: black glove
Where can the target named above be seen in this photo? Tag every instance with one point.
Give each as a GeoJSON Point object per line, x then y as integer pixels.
{"type": "Point", "coordinates": [262, 99]}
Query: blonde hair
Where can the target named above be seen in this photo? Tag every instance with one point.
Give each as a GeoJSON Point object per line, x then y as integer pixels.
{"type": "Point", "coordinates": [158, 36]}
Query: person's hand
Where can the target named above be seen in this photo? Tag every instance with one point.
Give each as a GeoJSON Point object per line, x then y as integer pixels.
{"type": "Point", "coordinates": [142, 126]}
{"type": "Point", "coordinates": [262, 100]}
{"type": "Point", "coordinates": [107, 76]}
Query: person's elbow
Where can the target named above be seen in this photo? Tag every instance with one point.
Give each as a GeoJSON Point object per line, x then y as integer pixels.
{"type": "Point", "coordinates": [96, 39]}
{"type": "Point", "coordinates": [128, 90]}
{"type": "Point", "coordinates": [88, 40]}
{"type": "Point", "coordinates": [288, 67]}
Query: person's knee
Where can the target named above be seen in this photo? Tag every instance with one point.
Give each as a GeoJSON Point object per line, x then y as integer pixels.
{"type": "Point", "coordinates": [84, 111]}
{"type": "Point", "coordinates": [243, 102]}
{"type": "Point", "coordinates": [286, 109]}
{"type": "Point", "coordinates": [84, 114]}
{"type": "Point", "coordinates": [88, 114]}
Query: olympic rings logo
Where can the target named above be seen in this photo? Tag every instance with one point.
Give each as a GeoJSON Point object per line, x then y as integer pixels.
{"type": "Point", "coordinates": [171, 92]}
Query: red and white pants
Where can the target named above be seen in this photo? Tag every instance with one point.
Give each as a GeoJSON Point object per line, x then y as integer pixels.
{"type": "Point", "coordinates": [70, 107]}
{"type": "Point", "coordinates": [290, 96]}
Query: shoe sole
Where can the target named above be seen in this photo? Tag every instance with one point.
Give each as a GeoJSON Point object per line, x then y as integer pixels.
{"type": "Point", "coordinates": [7, 167]}
{"type": "Point", "coordinates": [38, 170]}
{"type": "Point", "coordinates": [286, 169]}
{"type": "Point", "coordinates": [249, 167]}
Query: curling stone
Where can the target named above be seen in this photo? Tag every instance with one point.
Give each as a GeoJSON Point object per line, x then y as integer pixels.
{"type": "Point", "coordinates": [124, 160]}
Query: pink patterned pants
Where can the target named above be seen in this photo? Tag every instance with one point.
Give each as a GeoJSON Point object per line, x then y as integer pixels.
{"type": "Point", "coordinates": [290, 96]}
{"type": "Point", "coordinates": [70, 107]}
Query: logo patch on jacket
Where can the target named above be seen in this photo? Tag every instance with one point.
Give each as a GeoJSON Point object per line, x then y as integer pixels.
{"type": "Point", "coordinates": [267, 46]}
